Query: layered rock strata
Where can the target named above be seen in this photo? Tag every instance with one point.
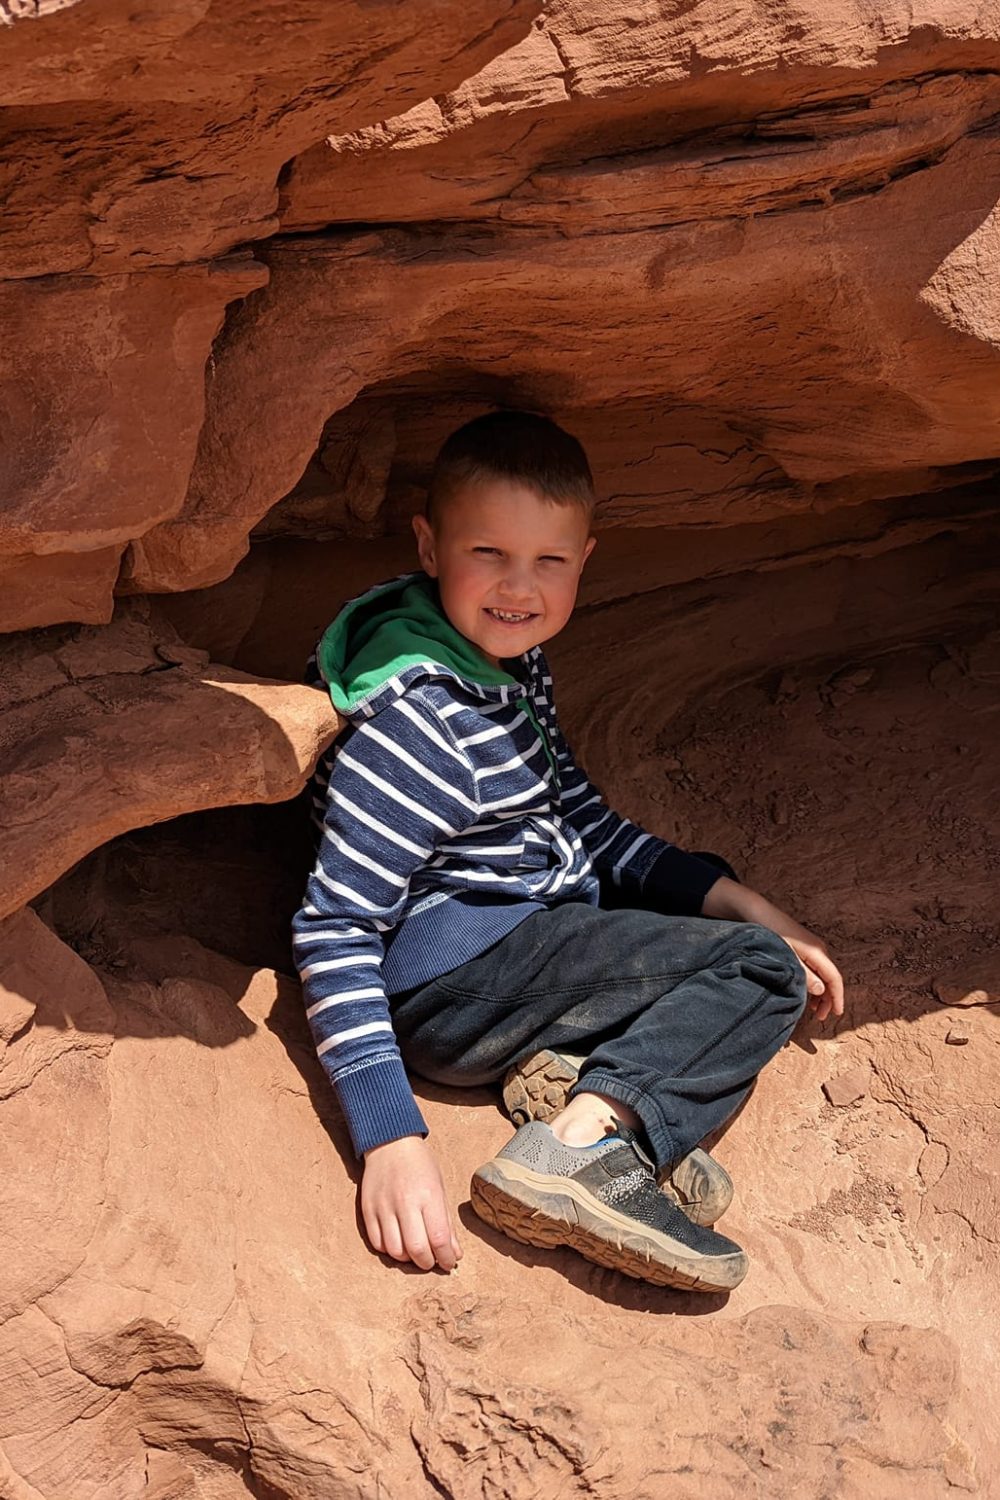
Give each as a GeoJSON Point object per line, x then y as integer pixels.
{"type": "Point", "coordinates": [136, 153]}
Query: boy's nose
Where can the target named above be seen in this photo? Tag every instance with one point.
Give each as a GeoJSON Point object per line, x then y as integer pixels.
{"type": "Point", "coordinates": [517, 588]}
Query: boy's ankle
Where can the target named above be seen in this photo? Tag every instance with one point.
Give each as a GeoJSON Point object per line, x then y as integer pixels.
{"type": "Point", "coordinates": [589, 1118]}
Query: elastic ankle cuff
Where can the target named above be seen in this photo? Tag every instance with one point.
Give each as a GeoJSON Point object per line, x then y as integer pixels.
{"type": "Point", "coordinates": [655, 1138]}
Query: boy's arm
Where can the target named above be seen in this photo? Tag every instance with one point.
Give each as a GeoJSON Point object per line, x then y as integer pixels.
{"type": "Point", "coordinates": [739, 903]}
{"type": "Point", "coordinates": [639, 863]}
{"type": "Point", "coordinates": [671, 880]}
{"type": "Point", "coordinates": [386, 809]}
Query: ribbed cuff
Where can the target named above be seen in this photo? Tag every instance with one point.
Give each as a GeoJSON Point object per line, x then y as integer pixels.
{"type": "Point", "coordinates": [378, 1103]}
{"type": "Point", "coordinates": [677, 882]}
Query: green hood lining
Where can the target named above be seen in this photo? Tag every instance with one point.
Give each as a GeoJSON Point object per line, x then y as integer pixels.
{"type": "Point", "coordinates": [398, 625]}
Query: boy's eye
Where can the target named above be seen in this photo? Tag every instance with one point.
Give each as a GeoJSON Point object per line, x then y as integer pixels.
{"type": "Point", "coordinates": [496, 551]}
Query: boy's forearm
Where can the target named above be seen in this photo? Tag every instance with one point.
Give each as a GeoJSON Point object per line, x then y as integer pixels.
{"type": "Point", "coordinates": [733, 902]}
{"type": "Point", "coordinates": [730, 901]}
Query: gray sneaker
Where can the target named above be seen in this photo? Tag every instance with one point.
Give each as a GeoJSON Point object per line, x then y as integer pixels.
{"type": "Point", "coordinates": [535, 1089]}
{"type": "Point", "coordinates": [603, 1202]}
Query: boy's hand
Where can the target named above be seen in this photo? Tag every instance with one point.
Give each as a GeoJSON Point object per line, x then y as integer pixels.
{"type": "Point", "coordinates": [823, 979]}
{"type": "Point", "coordinates": [738, 903]}
{"type": "Point", "coordinates": [404, 1207]}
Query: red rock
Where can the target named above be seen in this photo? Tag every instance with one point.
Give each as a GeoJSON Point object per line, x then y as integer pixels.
{"type": "Point", "coordinates": [140, 150]}
{"type": "Point", "coordinates": [101, 733]}
{"type": "Point", "coordinates": [158, 139]}
{"type": "Point", "coordinates": [395, 299]}
{"type": "Point", "coordinates": [106, 400]}
{"type": "Point", "coordinates": [980, 987]}
{"type": "Point", "coordinates": [179, 1281]}
{"type": "Point", "coordinates": [847, 1088]}
{"type": "Point", "coordinates": [750, 256]}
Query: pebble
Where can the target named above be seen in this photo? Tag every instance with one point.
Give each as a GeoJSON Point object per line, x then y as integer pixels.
{"type": "Point", "coordinates": [847, 1088]}
{"type": "Point", "coordinates": [778, 811]}
{"type": "Point", "coordinates": [957, 1037]}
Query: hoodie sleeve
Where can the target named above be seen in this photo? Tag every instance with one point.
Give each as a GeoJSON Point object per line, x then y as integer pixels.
{"type": "Point", "coordinates": [386, 809]}
{"type": "Point", "coordinates": [641, 865]}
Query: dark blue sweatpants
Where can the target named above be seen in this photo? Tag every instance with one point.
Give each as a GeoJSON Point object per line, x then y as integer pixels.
{"type": "Point", "coordinates": [676, 1015]}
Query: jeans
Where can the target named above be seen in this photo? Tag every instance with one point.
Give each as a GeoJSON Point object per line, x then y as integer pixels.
{"type": "Point", "coordinates": [676, 1015]}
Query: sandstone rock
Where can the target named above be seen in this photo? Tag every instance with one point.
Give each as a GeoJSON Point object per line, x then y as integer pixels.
{"type": "Point", "coordinates": [101, 734]}
{"type": "Point", "coordinates": [769, 589]}
{"type": "Point", "coordinates": [206, 1297]}
{"type": "Point", "coordinates": [217, 620]}
{"type": "Point", "coordinates": [658, 116]}
{"type": "Point", "coordinates": [721, 196]}
{"type": "Point", "coordinates": [104, 396]}
{"type": "Point", "coordinates": [679, 335]}
{"type": "Point", "coordinates": [344, 487]}
{"type": "Point", "coordinates": [209, 1298]}
{"type": "Point", "coordinates": [980, 987]}
{"type": "Point", "coordinates": [749, 255]}
{"type": "Point", "coordinates": [135, 150]}
{"type": "Point", "coordinates": [846, 1088]}
{"type": "Point", "coordinates": [43, 589]}
{"type": "Point", "coordinates": [166, 133]}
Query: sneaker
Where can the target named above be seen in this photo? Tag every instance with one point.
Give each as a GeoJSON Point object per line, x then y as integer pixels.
{"type": "Point", "coordinates": [536, 1089]}
{"type": "Point", "coordinates": [602, 1201]}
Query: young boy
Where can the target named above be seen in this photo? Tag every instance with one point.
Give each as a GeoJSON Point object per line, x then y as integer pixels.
{"type": "Point", "coordinates": [453, 921]}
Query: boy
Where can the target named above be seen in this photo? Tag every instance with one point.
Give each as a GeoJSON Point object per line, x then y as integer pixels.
{"type": "Point", "coordinates": [453, 922]}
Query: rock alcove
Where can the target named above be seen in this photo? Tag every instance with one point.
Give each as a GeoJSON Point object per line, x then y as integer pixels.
{"type": "Point", "coordinates": [254, 271]}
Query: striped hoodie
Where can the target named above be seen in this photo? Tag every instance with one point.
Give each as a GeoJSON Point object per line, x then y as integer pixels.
{"type": "Point", "coordinates": [449, 809]}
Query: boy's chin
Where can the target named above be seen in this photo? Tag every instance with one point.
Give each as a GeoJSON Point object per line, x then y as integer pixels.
{"type": "Point", "coordinates": [499, 645]}
{"type": "Point", "coordinates": [513, 642]}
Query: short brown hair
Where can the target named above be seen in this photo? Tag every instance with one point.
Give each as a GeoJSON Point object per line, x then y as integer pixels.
{"type": "Point", "coordinates": [515, 445]}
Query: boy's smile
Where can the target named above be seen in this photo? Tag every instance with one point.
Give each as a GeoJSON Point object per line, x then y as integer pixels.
{"type": "Point", "coordinates": [508, 564]}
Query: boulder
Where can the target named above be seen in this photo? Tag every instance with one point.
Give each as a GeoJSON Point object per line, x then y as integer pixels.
{"type": "Point", "coordinates": [109, 729]}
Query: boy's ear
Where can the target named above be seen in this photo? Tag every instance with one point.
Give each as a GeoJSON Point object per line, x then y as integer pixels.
{"type": "Point", "coordinates": [425, 544]}
{"type": "Point", "coordinates": [588, 549]}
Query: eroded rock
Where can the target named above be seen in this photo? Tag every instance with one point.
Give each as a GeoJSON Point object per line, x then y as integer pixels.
{"type": "Point", "coordinates": [724, 330]}
{"type": "Point", "coordinates": [847, 1088]}
{"type": "Point", "coordinates": [136, 152]}
{"type": "Point", "coordinates": [749, 256]}
{"type": "Point", "coordinates": [205, 1305]}
{"type": "Point", "coordinates": [105, 730]}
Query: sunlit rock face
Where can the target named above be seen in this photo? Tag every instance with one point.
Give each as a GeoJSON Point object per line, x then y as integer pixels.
{"type": "Point", "coordinates": [140, 154]}
{"type": "Point", "coordinates": [256, 263]}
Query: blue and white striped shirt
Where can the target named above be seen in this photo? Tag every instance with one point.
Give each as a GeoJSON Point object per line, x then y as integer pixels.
{"type": "Point", "coordinates": [449, 811]}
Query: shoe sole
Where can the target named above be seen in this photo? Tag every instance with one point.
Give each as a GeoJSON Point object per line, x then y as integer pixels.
{"type": "Point", "coordinates": [536, 1089]}
{"type": "Point", "coordinates": [549, 1212]}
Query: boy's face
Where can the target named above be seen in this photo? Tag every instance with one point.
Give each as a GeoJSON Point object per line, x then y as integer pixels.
{"type": "Point", "coordinates": [497, 548]}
